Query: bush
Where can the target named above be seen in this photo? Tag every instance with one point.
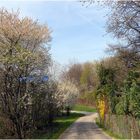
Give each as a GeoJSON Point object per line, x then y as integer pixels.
{"type": "Point", "coordinates": [6, 128]}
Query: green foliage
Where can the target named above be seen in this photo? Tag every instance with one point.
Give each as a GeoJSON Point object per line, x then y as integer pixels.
{"type": "Point", "coordinates": [107, 86]}
{"type": "Point", "coordinates": [131, 96]}
{"type": "Point", "coordinates": [119, 108]}
{"type": "Point", "coordinates": [134, 106]}
{"type": "Point", "coordinates": [106, 75]}
{"type": "Point", "coordinates": [128, 101]}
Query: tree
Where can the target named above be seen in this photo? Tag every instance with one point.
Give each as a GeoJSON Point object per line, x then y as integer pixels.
{"type": "Point", "coordinates": [67, 94]}
{"type": "Point", "coordinates": [73, 73]}
{"type": "Point", "coordinates": [44, 106]}
{"type": "Point", "coordinates": [106, 92]}
{"type": "Point", "coordinates": [123, 23]}
{"type": "Point", "coordinates": [23, 53]}
{"type": "Point", "coordinates": [87, 76]}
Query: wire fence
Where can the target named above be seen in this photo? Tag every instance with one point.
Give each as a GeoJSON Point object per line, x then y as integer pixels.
{"type": "Point", "coordinates": [123, 126]}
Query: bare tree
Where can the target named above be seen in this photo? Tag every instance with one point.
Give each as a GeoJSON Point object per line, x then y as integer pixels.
{"type": "Point", "coordinates": [124, 24]}
{"type": "Point", "coordinates": [73, 73]}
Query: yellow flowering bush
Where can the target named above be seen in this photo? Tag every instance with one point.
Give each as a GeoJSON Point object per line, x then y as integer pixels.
{"type": "Point", "coordinates": [101, 108]}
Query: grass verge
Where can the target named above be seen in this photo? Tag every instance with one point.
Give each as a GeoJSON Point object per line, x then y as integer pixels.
{"type": "Point", "coordinates": [58, 127]}
{"type": "Point", "coordinates": [110, 133]}
{"type": "Point", "coordinates": [80, 107]}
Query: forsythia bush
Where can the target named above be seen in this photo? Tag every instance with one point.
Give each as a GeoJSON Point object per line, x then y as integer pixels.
{"type": "Point", "coordinates": [101, 108]}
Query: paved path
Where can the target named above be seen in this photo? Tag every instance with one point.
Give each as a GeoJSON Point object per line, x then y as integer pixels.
{"type": "Point", "coordinates": [85, 128]}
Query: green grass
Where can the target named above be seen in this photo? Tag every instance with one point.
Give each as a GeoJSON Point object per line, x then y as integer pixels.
{"type": "Point", "coordinates": [79, 107]}
{"type": "Point", "coordinates": [59, 126]}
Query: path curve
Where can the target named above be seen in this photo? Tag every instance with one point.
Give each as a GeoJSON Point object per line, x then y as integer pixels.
{"type": "Point", "coordinates": [85, 128]}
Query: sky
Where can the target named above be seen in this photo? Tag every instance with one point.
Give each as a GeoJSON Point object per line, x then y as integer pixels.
{"type": "Point", "coordinates": [78, 32]}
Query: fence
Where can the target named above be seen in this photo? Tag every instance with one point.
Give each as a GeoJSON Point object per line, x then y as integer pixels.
{"type": "Point", "coordinates": [123, 126]}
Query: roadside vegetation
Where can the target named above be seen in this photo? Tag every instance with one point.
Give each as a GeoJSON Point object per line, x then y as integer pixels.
{"type": "Point", "coordinates": [80, 107]}
{"type": "Point", "coordinates": [112, 134]}
{"type": "Point", "coordinates": [58, 127]}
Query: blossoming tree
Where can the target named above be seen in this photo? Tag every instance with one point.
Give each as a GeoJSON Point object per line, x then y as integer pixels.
{"type": "Point", "coordinates": [67, 94]}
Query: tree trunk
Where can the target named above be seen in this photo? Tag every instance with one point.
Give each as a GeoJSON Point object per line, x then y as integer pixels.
{"type": "Point", "coordinates": [18, 129]}
{"type": "Point", "coordinates": [19, 132]}
{"type": "Point", "coordinates": [68, 111]}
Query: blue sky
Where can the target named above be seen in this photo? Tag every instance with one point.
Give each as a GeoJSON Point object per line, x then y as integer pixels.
{"type": "Point", "coordinates": [78, 31]}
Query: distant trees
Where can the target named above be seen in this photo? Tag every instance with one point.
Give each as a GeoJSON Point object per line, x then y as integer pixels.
{"type": "Point", "coordinates": [85, 79]}
{"type": "Point", "coordinates": [87, 76]}
{"type": "Point", "coordinates": [73, 73]}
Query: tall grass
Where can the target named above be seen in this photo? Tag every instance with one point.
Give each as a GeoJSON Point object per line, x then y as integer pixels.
{"type": "Point", "coordinates": [123, 126]}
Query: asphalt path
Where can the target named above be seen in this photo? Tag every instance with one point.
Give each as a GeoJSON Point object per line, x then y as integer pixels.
{"type": "Point", "coordinates": [85, 128]}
